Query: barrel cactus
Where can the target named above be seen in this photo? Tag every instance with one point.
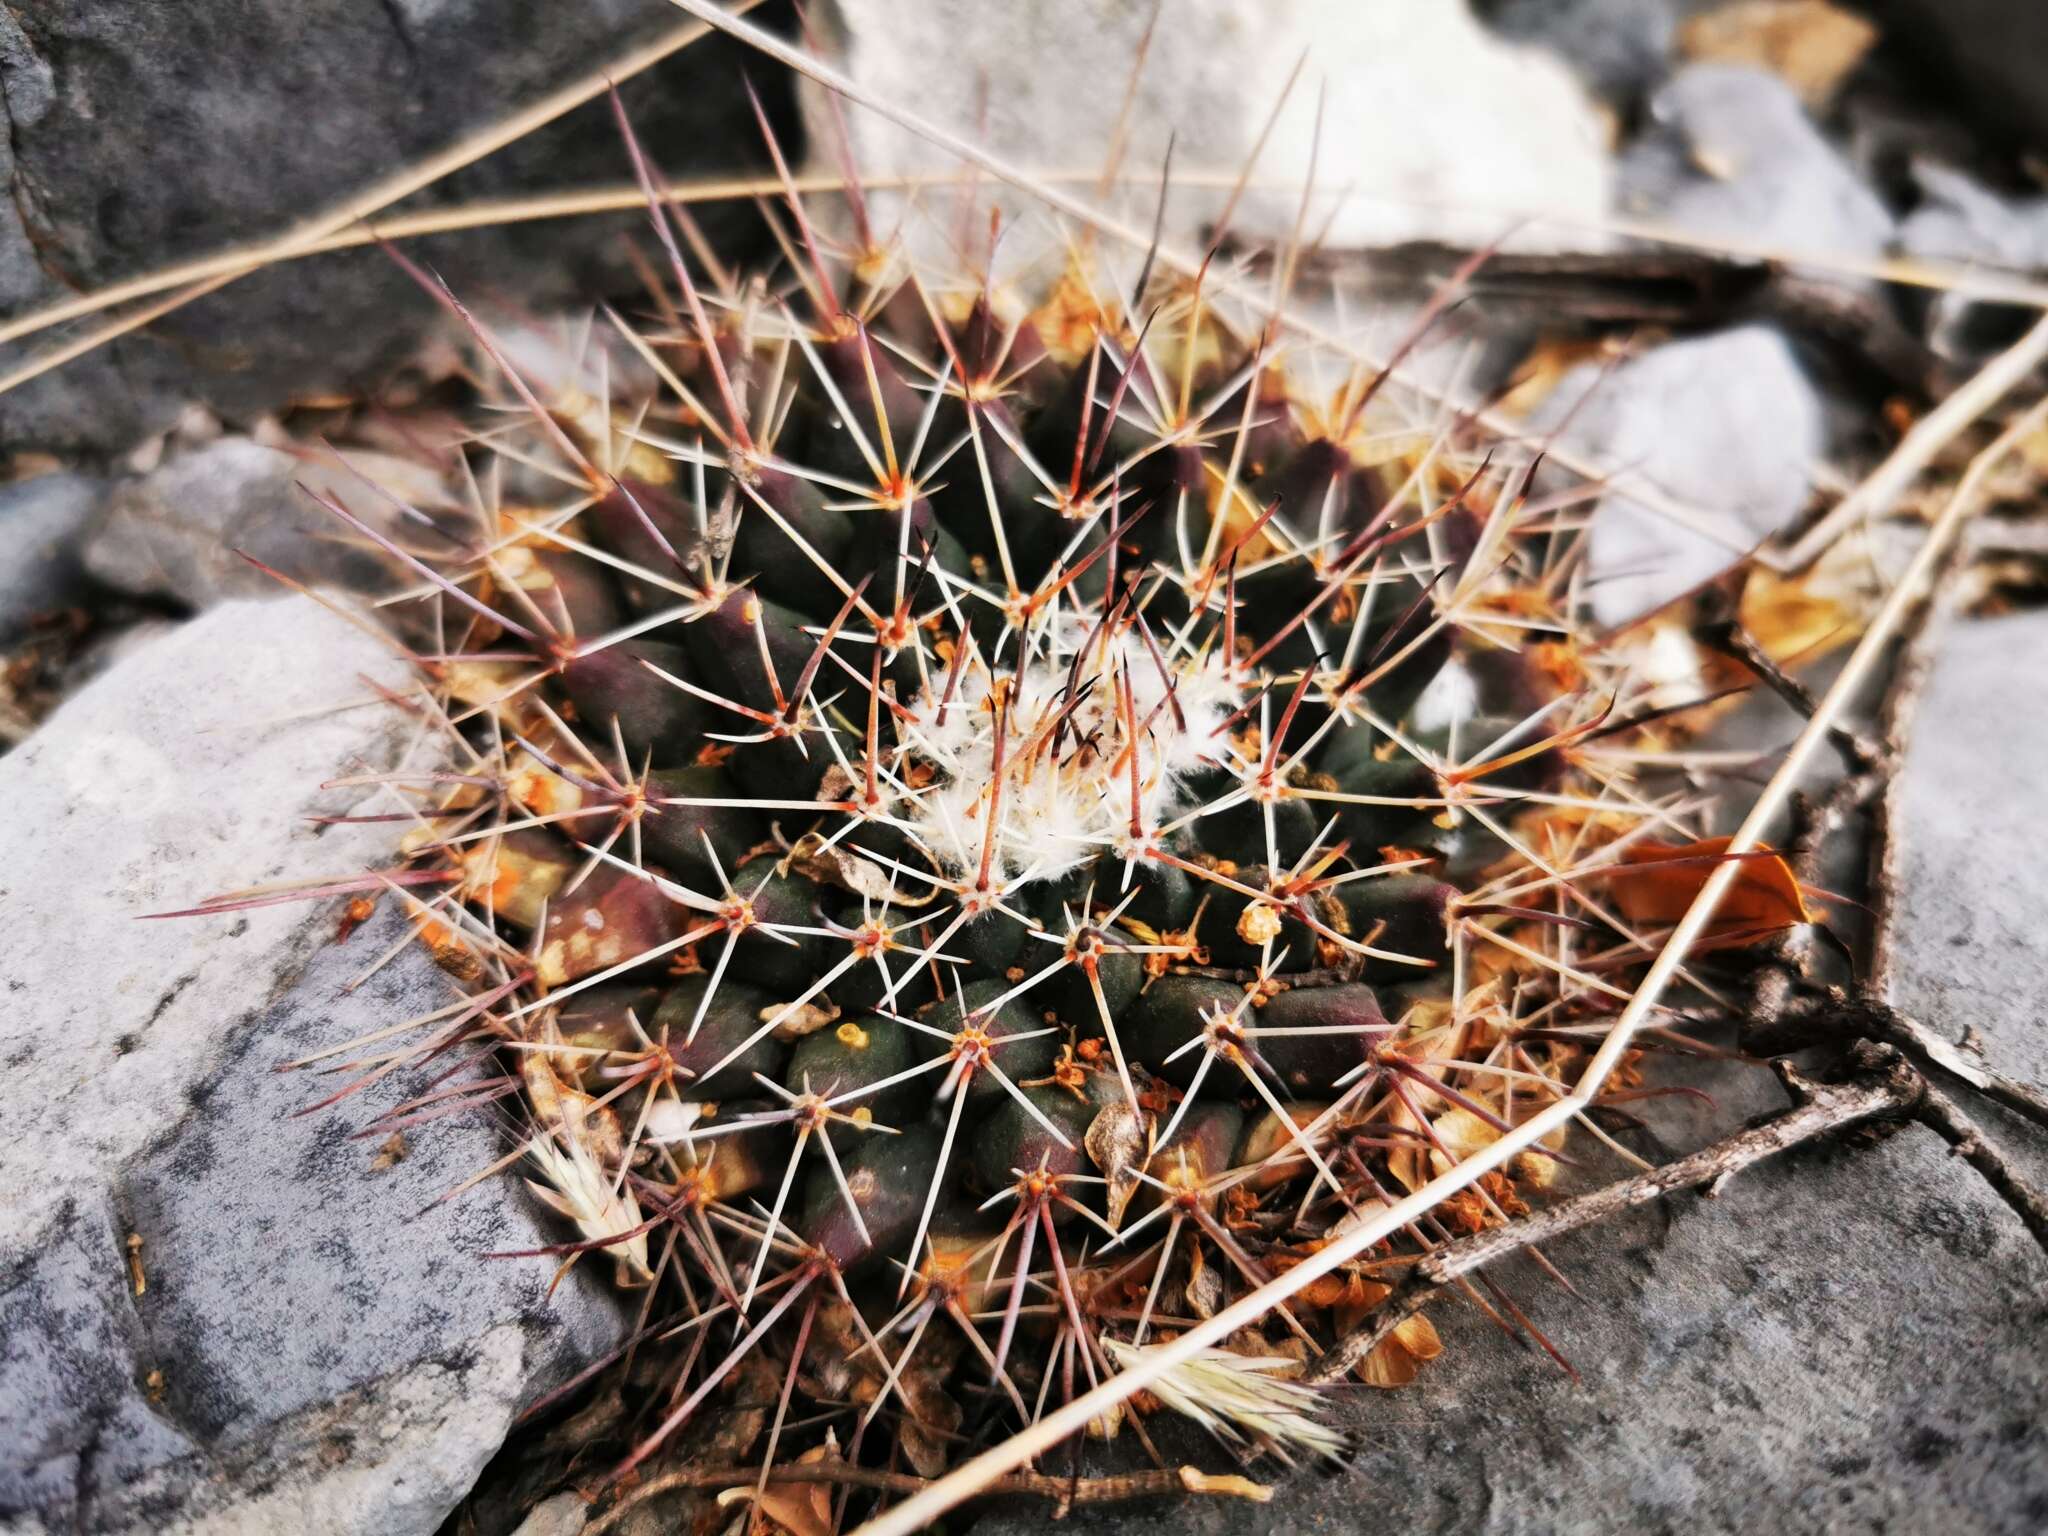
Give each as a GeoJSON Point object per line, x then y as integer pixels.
{"type": "Point", "coordinates": [986, 821]}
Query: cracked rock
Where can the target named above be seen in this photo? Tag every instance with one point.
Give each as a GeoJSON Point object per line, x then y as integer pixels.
{"type": "Point", "coordinates": [221, 1315]}
{"type": "Point", "coordinates": [1970, 948]}
{"type": "Point", "coordinates": [1843, 1340]}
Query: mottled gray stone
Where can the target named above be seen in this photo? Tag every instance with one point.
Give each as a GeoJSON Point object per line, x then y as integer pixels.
{"type": "Point", "coordinates": [562, 1515]}
{"type": "Point", "coordinates": [1729, 153]}
{"type": "Point", "coordinates": [1727, 425]}
{"type": "Point", "coordinates": [314, 1349]}
{"type": "Point", "coordinates": [42, 523]}
{"type": "Point", "coordinates": [1844, 1342]}
{"type": "Point", "coordinates": [138, 135]}
{"type": "Point", "coordinates": [175, 531]}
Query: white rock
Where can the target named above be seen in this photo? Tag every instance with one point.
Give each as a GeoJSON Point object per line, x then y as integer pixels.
{"type": "Point", "coordinates": [1432, 127]}
{"type": "Point", "coordinates": [1726, 425]}
{"type": "Point", "coordinates": [312, 1351]}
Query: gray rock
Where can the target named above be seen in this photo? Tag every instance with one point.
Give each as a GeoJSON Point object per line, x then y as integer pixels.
{"type": "Point", "coordinates": [563, 1515]}
{"type": "Point", "coordinates": [1620, 48]}
{"type": "Point", "coordinates": [315, 1347]}
{"type": "Point", "coordinates": [174, 532]}
{"type": "Point", "coordinates": [1960, 221]}
{"type": "Point", "coordinates": [142, 135]}
{"type": "Point", "coordinates": [43, 521]}
{"type": "Point", "coordinates": [1971, 951]}
{"type": "Point", "coordinates": [1730, 153]}
{"type": "Point", "coordinates": [1725, 424]}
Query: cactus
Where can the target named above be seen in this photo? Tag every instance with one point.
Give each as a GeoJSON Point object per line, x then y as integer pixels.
{"type": "Point", "coordinates": [954, 831]}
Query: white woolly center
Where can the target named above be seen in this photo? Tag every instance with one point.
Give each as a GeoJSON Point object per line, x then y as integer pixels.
{"type": "Point", "coordinates": [1066, 791]}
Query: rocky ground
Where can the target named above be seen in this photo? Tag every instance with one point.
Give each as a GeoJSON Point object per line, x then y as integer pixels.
{"type": "Point", "coordinates": [218, 1314]}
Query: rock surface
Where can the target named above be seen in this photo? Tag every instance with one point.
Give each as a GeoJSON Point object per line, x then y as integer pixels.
{"type": "Point", "coordinates": [174, 532]}
{"type": "Point", "coordinates": [42, 522]}
{"type": "Point", "coordinates": [1725, 424]}
{"type": "Point", "coordinates": [1972, 952]}
{"type": "Point", "coordinates": [310, 1350]}
{"type": "Point", "coordinates": [1844, 1342]}
{"type": "Point", "coordinates": [141, 135]}
{"type": "Point", "coordinates": [1730, 154]}
{"type": "Point", "coordinates": [1431, 126]}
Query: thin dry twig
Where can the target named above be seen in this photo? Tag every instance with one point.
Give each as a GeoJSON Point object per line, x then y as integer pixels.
{"type": "Point", "coordinates": [1939, 1113]}
{"type": "Point", "coordinates": [1783, 1017]}
{"type": "Point", "coordinates": [1727, 635]}
{"type": "Point", "coordinates": [1065, 1492]}
{"type": "Point", "coordinates": [1885, 1088]}
{"type": "Point", "coordinates": [489, 213]}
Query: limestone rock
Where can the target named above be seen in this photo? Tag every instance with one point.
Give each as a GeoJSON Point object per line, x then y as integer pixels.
{"type": "Point", "coordinates": [1731, 154]}
{"type": "Point", "coordinates": [1960, 221]}
{"type": "Point", "coordinates": [42, 522]}
{"type": "Point", "coordinates": [1842, 1341]}
{"type": "Point", "coordinates": [1971, 952]}
{"type": "Point", "coordinates": [313, 1344]}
